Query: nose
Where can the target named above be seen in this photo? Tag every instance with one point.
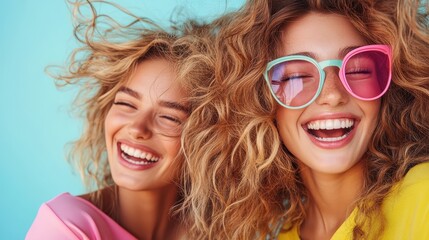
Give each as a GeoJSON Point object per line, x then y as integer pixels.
{"type": "Point", "coordinates": [333, 92]}
{"type": "Point", "coordinates": [140, 126]}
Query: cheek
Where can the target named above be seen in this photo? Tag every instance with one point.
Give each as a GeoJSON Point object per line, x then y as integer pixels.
{"type": "Point", "coordinates": [372, 111]}
{"type": "Point", "coordinates": [286, 125]}
{"type": "Point", "coordinates": [370, 121]}
{"type": "Point", "coordinates": [173, 147]}
{"type": "Point", "coordinates": [107, 126]}
{"type": "Point", "coordinates": [111, 126]}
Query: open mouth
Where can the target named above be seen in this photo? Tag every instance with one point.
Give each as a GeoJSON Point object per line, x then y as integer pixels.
{"type": "Point", "coordinates": [330, 130]}
{"type": "Point", "coordinates": [137, 156]}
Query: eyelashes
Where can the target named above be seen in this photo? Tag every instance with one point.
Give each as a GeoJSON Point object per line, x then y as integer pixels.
{"type": "Point", "coordinates": [166, 119]}
{"type": "Point", "coordinates": [126, 104]}
{"type": "Point", "coordinates": [172, 119]}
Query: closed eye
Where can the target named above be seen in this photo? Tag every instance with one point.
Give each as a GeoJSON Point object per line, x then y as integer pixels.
{"type": "Point", "coordinates": [359, 71]}
{"type": "Point", "coordinates": [358, 74]}
{"type": "Point", "coordinates": [291, 78]}
{"type": "Point", "coordinates": [126, 104]}
{"type": "Point", "coordinates": [295, 77]}
{"type": "Point", "coordinates": [172, 119]}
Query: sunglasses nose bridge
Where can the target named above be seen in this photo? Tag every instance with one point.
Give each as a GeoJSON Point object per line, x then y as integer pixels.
{"type": "Point", "coordinates": [331, 63]}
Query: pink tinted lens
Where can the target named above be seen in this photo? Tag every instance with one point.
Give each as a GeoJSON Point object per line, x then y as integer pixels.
{"type": "Point", "coordinates": [294, 82]}
{"type": "Point", "coordinates": [367, 74]}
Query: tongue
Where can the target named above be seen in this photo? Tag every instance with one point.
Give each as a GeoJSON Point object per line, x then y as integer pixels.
{"type": "Point", "coordinates": [328, 133]}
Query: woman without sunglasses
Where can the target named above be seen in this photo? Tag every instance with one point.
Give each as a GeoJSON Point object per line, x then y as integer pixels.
{"type": "Point", "coordinates": [346, 86]}
{"type": "Point", "coordinates": [136, 97]}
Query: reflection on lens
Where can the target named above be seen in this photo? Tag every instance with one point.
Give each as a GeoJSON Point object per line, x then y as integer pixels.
{"type": "Point", "coordinates": [294, 82]}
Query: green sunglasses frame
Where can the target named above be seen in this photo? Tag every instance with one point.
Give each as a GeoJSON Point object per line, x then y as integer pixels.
{"type": "Point", "coordinates": [331, 63]}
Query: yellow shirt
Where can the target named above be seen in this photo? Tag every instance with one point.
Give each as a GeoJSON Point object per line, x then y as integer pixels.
{"type": "Point", "coordinates": [406, 210]}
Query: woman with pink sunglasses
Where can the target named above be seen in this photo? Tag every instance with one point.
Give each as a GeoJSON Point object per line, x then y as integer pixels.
{"type": "Point", "coordinates": [328, 91]}
{"type": "Point", "coordinates": [345, 85]}
{"type": "Point", "coordinates": [357, 142]}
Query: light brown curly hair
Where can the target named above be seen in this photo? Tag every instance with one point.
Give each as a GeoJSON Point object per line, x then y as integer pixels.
{"type": "Point", "coordinates": [401, 138]}
{"type": "Point", "coordinates": [247, 181]}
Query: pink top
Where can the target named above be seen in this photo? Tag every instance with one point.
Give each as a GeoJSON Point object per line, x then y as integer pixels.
{"type": "Point", "coordinates": [70, 217]}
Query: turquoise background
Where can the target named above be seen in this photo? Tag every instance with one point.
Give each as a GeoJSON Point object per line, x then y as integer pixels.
{"type": "Point", "coordinates": [35, 119]}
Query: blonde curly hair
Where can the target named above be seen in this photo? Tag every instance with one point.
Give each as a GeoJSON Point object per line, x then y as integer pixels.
{"type": "Point", "coordinates": [109, 54]}
{"type": "Point", "coordinates": [232, 144]}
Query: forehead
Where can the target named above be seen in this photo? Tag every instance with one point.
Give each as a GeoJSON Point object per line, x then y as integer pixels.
{"type": "Point", "coordinates": [156, 76]}
{"type": "Point", "coordinates": [319, 31]}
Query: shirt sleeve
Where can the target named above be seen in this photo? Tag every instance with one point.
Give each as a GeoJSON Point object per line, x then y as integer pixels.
{"type": "Point", "coordinates": [69, 217]}
{"type": "Point", "coordinates": [48, 225]}
{"type": "Point", "coordinates": [407, 210]}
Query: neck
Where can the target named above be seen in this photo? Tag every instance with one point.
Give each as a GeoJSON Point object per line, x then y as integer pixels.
{"type": "Point", "coordinates": [331, 200]}
{"type": "Point", "coordinates": [148, 214]}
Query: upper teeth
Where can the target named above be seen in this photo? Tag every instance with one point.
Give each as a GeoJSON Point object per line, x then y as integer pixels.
{"type": "Point", "coordinates": [138, 153]}
{"type": "Point", "coordinates": [330, 124]}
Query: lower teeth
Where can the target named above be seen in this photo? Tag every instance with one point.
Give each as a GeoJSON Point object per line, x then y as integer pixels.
{"type": "Point", "coordinates": [334, 139]}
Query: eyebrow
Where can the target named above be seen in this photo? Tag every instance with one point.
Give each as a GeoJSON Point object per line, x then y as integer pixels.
{"type": "Point", "coordinates": [168, 104]}
{"type": "Point", "coordinates": [175, 105]}
{"type": "Point", "coordinates": [342, 53]}
{"type": "Point", "coordinates": [130, 92]}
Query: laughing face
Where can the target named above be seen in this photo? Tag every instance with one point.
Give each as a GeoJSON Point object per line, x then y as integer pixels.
{"type": "Point", "coordinates": [143, 126]}
{"type": "Point", "coordinates": [332, 134]}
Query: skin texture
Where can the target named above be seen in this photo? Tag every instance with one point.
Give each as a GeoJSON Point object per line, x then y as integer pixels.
{"type": "Point", "coordinates": [146, 115]}
{"type": "Point", "coordinates": [332, 171]}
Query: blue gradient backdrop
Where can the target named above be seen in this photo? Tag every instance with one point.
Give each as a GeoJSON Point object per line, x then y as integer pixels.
{"type": "Point", "coordinates": [35, 123]}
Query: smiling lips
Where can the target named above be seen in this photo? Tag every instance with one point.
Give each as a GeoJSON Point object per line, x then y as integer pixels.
{"type": "Point", "coordinates": [330, 130]}
{"type": "Point", "coordinates": [137, 156]}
